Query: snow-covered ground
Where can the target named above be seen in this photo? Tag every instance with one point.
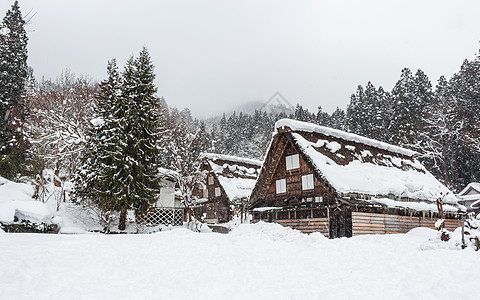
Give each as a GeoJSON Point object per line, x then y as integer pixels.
{"type": "Point", "coordinates": [261, 261]}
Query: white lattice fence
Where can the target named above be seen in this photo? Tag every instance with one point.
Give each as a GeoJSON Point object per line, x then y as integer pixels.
{"type": "Point", "coordinates": [163, 216]}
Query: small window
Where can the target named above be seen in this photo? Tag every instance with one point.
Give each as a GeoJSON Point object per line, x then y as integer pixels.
{"type": "Point", "coordinates": [210, 180]}
{"type": "Point", "coordinates": [307, 182]}
{"type": "Point", "coordinates": [281, 186]}
{"type": "Point", "coordinates": [293, 162]}
{"type": "Point", "coordinates": [218, 192]}
{"type": "Point", "coordinates": [318, 199]}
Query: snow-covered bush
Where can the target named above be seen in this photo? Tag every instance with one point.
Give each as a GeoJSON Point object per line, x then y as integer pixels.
{"type": "Point", "coordinates": [472, 231]}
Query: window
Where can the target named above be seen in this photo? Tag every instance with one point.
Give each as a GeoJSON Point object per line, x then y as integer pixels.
{"type": "Point", "coordinates": [318, 199]}
{"type": "Point", "coordinates": [218, 192]}
{"type": "Point", "coordinates": [293, 162]}
{"type": "Point", "coordinates": [307, 182]}
{"type": "Point", "coordinates": [205, 193]}
{"type": "Point", "coordinates": [281, 186]}
{"type": "Point", "coordinates": [210, 180]}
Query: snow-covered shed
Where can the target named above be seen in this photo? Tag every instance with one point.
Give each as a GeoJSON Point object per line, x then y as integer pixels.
{"type": "Point", "coordinates": [316, 178]}
{"type": "Point", "coordinates": [168, 192]}
{"type": "Point", "coordinates": [470, 197]}
{"type": "Point", "coordinates": [228, 178]}
{"type": "Point", "coordinates": [168, 209]}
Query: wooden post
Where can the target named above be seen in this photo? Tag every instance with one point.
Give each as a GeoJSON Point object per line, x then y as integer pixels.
{"type": "Point", "coordinates": [328, 218]}
{"type": "Point", "coordinates": [463, 232]}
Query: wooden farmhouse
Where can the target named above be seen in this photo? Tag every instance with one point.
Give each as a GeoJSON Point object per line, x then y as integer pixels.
{"type": "Point", "coordinates": [470, 197]}
{"type": "Point", "coordinates": [228, 179]}
{"type": "Point", "coordinates": [316, 178]}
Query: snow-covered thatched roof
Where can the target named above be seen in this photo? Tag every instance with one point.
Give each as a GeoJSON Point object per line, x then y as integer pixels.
{"type": "Point", "coordinates": [295, 125]}
{"type": "Point", "coordinates": [355, 164]}
{"type": "Point", "coordinates": [236, 175]}
{"type": "Point", "coordinates": [352, 164]}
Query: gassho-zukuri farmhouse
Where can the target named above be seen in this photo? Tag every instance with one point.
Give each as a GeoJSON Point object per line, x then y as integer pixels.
{"type": "Point", "coordinates": [319, 179]}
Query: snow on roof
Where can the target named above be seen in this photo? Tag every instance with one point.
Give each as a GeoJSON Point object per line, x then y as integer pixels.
{"type": "Point", "coordinates": [237, 187]}
{"type": "Point", "coordinates": [16, 200]}
{"type": "Point", "coordinates": [418, 206]}
{"type": "Point", "coordinates": [242, 160]}
{"type": "Point", "coordinates": [385, 175]}
{"type": "Point", "coordinates": [295, 125]}
{"type": "Point", "coordinates": [236, 175]}
{"type": "Point", "coordinates": [262, 209]}
{"type": "Point", "coordinates": [475, 204]}
{"type": "Point", "coordinates": [167, 173]}
{"type": "Point", "coordinates": [471, 185]}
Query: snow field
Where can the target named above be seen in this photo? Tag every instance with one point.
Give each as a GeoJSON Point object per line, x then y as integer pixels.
{"type": "Point", "coordinates": [261, 261]}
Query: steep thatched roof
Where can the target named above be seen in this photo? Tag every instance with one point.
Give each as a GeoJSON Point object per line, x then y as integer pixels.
{"type": "Point", "coordinates": [349, 163]}
{"type": "Point", "coordinates": [236, 175]}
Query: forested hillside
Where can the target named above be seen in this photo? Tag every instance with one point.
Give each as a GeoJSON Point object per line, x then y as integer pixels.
{"type": "Point", "coordinates": [441, 123]}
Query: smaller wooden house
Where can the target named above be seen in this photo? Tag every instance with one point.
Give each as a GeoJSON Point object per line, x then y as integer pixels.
{"type": "Point", "coordinates": [470, 197]}
{"type": "Point", "coordinates": [168, 209]}
{"type": "Point", "coordinates": [316, 178]}
{"type": "Point", "coordinates": [228, 178]}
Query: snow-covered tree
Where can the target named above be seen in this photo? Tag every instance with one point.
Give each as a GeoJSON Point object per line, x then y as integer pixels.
{"type": "Point", "coordinates": [355, 111]}
{"type": "Point", "coordinates": [95, 156]}
{"type": "Point", "coordinates": [129, 179]}
{"type": "Point", "coordinates": [338, 119]}
{"type": "Point", "coordinates": [13, 78]}
{"type": "Point", "coordinates": [60, 114]}
{"type": "Point", "coordinates": [403, 118]}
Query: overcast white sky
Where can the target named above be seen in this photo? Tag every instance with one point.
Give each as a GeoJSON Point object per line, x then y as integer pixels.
{"type": "Point", "coordinates": [213, 55]}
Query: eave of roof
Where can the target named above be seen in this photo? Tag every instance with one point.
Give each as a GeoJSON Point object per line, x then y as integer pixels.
{"type": "Point", "coordinates": [236, 159]}
{"type": "Point", "coordinates": [472, 185]}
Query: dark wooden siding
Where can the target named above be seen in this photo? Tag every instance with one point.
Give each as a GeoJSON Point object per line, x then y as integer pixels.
{"type": "Point", "coordinates": [308, 225]}
{"type": "Point", "coordinates": [217, 207]}
{"type": "Point", "coordinates": [294, 182]}
{"type": "Point", "coordinates": [370, 223]}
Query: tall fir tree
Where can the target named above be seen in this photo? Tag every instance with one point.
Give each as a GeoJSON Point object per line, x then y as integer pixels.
{"type": "Point", "coordinates": [95, 157]}
{"type": "Point", "coordinates": [338, 119]}
{"type": "Point", "coordinates": [130, 178]}
{"type": "Point", "coordinates": [403, 119]}
{"type": "Point", "coordinates": [355, 112]}
{"type": "Point", "coordinates": [13, 79]}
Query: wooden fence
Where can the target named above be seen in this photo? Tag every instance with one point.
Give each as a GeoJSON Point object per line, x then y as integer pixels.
{"type": "Point", "coordinates": [370, 223]}
{"type": "Point", "coordinates": [162, 216]}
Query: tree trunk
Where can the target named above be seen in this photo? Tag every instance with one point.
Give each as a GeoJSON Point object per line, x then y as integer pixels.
{"type": "Point", "coordinates": [123, 218]}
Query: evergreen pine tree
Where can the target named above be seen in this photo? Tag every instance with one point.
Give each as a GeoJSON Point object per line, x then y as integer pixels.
{"type": "Point", "coordinates": [13, 78]}
{"type": "Point", "coordinates": [323, 118]}
{"type": "Point", "coordinates": [339, 119]}
{"type": "Point", "coordinates": [130, 175]}
{"type": "Point", "coordinates": [88, 189]}
{"type": "Point", "coordinates": [403, 119]}
{"type": "Point", "coordinates": [355, 112]}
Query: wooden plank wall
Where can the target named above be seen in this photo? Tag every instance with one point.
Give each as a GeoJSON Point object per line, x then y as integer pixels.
{"type": "Point", "coordinates": [369, 223]}
{"type": "Point", "coordinates": [308, 225]}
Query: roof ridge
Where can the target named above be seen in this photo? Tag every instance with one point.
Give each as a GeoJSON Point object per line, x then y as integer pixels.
{"type": "Point", "coordinates": [296, 125]}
